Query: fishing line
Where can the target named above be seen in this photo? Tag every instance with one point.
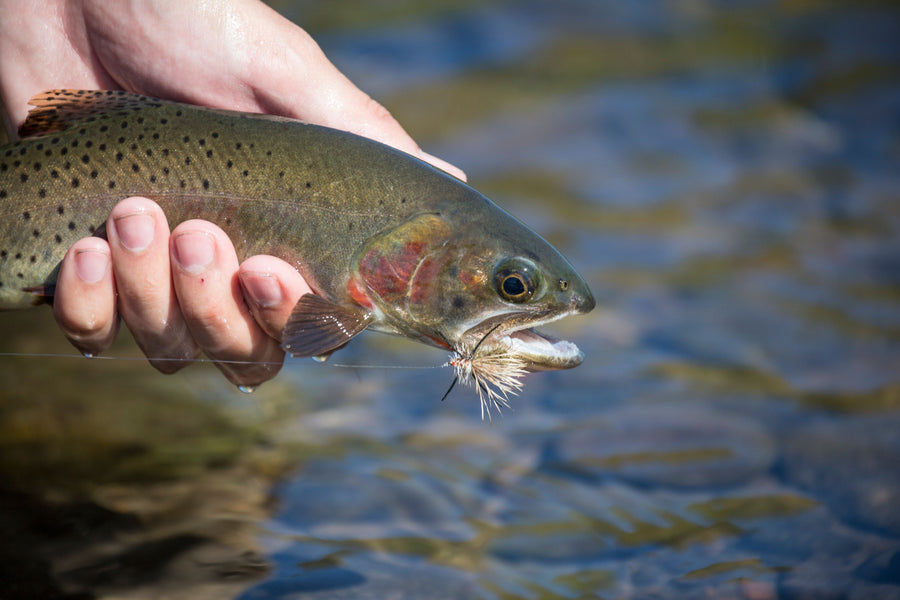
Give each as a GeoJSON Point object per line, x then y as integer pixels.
{"type": "Point", "coordinates": [209, 360]}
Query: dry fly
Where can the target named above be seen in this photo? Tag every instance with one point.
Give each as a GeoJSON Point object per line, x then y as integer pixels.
{"type": "Point", "coordinates": [494, 376]}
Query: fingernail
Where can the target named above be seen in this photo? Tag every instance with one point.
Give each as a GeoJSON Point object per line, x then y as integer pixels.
{"type": "Point", "coordinates": [264, 290]}
{"type": "Point", "coordinates": [91, 265]}
{"type": "Point", "coordinates": [194, 251]}
{"type": "Point", "coordinates": [135, 230]}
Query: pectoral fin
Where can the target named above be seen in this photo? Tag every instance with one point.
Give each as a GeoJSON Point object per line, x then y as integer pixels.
{"type": "Point", "coordinates": [318, 327]}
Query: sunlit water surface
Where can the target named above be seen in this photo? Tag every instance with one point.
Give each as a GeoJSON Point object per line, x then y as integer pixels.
{"type": "Point", "coordinates": [726, 175]}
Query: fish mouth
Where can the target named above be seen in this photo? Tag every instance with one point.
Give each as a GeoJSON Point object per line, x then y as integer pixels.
{"type": "Point", "coordinates": [515, 336]}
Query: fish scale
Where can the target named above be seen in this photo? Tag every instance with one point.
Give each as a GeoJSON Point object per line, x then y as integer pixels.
{"type": "Point", "coordinates": [254, 176]}
{"type": "Point", "coordinates": [324, 200]}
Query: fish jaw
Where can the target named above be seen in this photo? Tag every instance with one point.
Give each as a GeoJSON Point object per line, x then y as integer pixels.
{"type": "Point", "coordinates": [541, 352]}
{"type": "Point", "coordinates": [515, 335]}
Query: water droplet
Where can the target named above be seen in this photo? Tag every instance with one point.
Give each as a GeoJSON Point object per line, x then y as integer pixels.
{"type": "Point", "coordinates": [247, 389]}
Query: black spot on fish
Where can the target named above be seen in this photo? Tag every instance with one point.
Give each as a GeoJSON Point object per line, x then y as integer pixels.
{"type": "Point", "coordinates": [2, 193]}
{"type": "Point", "coordinates": [48, 153]}
{"type": "Point", "coordinates": [163, 121]}
{"type": "Point", "coordinates": [134, 146]}
{"type": "Point", "coordinates": [82, 131]}
{"type": "Point", "coordinates": [18, 255]}
{"type": "Point", "coordinates": [402, 200]}
{"type": "Point", "coordinates": [201, 141]}
{"type": "Point", "coordinates": [237, 146]}
{"type": "Point", "coordinates": [111, 184]}
{"type": "Point", "coordinates": [140, 120]}
{"type": "Point", "coordinates": [269, 153]}
{"type": "Point", "coordinates": [166, 170]}
{"type": "Point", "coordinates": [124, 124]}
{"type": "Point", "coordinates": [63, 151]}
{"type": "Point", "coordinates": [26, 215]}
{"type": "Point", "coordinates": [102, 147]}
{"type": "Point", "coordinates": [36, 233]}
{"type": "Point", "coordinates": [3, 253]}
{"type": "Point", "coordinates": [153, 179]}
{"type": "Point", "coordinates": [3, 167]}
{"type": "Point", "coordinates": [94, 174]}
{"type": "Point", "coordinates": [155, 136]}
{"type": "Point", "coordinates": [165, 151]}
{"type": "Point", "coordinates": [20, 276]}
{"type": "Point", "coordinates": [209, 153]}
{"type": "Point", "coordinates": [75, 182]}
{"type": "Point", "coordinates": [37, 166]}
{"type": "Point", "coordinates": [178, 113]}
{"type": "Point", "coordinates": [40, 146]}
{"type": "Point", "coordinates": [187, 160]}
{"type": "Point", "coordinates": [104, 128]}
{"type": "Point", "coordinates": [85, 159]}
{"type": "Point", "coordinates": [281, 173]}
{"type": "Point", "coordinates": [121, 139]}
{"type": "Point", "coordinates": [54, 173]}
{"type": "Point", "coordinates": [71, 225]}
{"type": "Point", "coordinates": [88, 144]}
{"type": "Point", "coordinates": [135, 167]}
{"type": "Point", "coordinates": [206, 184]}
{"type": "Point", "coordinates": [54, 140]}
{"type": "Point", "coordinates": [32, 258]}
{"type": "Point", "coordinates": [245, 173]}
{"type": "Point", "coordinates": [42, 193]}
{"type": "Point", "coordinates": [119, 156]}
{"type": "Point", "coordinates": [67, 165]}
{"type": "Point", "coordinates": [229, 164]}
{"type": "Point", "coordinates": [58, 239]}
{"type": "Point", "coordinates": [60, 209]}
{"type": "Point", "coordinates": [215, 135]}
{"type": "Point", "coordinates": [186, 139]}
{"type": "Point", "coordinates": [17, 163]}
{"type": "Point", "coordinates": [308, 185]}
{"type": "Point", "coordinates": [74, 143]}
{"type": "Point", "coordinates": [228, 220]}
{"type": "Point", "coordinates": [182, 183]}
{"type": "Point", "coordinates": [23, 177]}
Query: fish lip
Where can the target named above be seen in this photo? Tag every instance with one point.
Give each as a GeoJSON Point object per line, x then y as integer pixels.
{"type": "Point", "coordinates": [536, 351]}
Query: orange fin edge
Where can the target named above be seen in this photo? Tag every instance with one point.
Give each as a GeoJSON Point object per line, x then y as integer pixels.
{"type": "Point", "coordinates": [57, 110]}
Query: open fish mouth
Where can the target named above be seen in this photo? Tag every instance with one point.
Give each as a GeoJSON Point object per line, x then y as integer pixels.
{"type": "Point", "coordinates": [515, 336]}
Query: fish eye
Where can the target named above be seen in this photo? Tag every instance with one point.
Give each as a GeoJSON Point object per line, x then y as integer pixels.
{"type": "Point", "coordinates": [517, 280]}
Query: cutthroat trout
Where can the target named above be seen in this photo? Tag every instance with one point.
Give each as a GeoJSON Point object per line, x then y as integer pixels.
{"type": "Point", "coordinates": [386, 241]}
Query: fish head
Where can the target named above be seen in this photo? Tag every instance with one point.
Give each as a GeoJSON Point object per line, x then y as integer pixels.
{"type": "Point", "coordinates": [480, 286]}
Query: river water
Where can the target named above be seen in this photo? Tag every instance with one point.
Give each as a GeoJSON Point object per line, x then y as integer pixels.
{"type": "Point", "coordinates": [726, 176]}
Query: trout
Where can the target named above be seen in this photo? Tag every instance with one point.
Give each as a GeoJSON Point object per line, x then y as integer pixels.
{"type": "Point", "coordinates": [387, 242]}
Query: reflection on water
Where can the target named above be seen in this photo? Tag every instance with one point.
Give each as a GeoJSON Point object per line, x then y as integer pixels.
{"type": "Point", "coordinates": [724, 174]}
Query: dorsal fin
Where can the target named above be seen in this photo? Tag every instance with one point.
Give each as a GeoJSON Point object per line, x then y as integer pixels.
{"type": "Point", "coordinates": [57, 110]}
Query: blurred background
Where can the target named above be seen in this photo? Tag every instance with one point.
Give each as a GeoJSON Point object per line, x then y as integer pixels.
{"type": "Point", "coordinates": [726, 176]}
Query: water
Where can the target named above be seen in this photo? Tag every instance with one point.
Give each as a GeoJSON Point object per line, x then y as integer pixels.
{"type": "Point", "coordinates": [725, 176]}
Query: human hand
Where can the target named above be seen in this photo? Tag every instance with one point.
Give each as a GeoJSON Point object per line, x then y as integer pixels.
{"type": "Point", "coordinates": [238, 55]}
{"type": "Point", "coordinates": [179, 294]}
